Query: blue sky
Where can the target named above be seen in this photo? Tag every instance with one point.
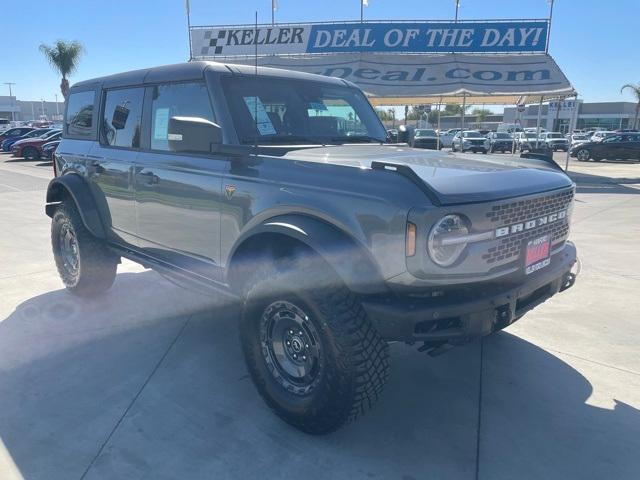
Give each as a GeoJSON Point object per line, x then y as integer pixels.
{"type": "Point", "coordinates": [597, 44]}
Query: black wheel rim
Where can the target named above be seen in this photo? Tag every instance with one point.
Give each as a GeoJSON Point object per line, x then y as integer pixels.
{"type": "Point", "coordinates": [69, 250]}
{"type": "Point", "coordinates": [291, 347]}
{"type": "Point", "coordinates": [583, 155]}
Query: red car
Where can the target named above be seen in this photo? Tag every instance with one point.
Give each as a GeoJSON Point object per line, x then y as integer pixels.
{"type": "Point", "coordinates": [31, 148]}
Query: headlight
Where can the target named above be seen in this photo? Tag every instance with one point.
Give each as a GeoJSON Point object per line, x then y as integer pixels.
{"type": "Point", "coordinates": [447, 240]}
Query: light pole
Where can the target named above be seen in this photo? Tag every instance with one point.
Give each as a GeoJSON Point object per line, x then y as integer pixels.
{"type": "Point", "coordinates": [57, 109]}
{"type": "Point", "coordinates": [457, 7]}
{"type": "Point", "coordinates": [42, 107]}
{"type": "Point", "coordinates": [13, 113]}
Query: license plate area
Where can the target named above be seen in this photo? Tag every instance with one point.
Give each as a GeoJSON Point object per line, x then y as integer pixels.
{"type": "Point", "coordinates": [537, 254]}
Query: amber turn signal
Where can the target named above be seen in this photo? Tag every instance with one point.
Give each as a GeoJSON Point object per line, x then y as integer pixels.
{"type": "Point", "coordinates": [410, 246]}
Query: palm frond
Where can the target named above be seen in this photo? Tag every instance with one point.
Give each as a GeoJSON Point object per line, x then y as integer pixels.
{"type": "Point", "coordinates": [63, 56]}
{"type": "Point", "coordinates": [635, 89]}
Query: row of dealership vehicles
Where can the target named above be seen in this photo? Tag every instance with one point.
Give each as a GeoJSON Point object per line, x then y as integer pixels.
{"type": "Point", "coordinates": [30, 143]}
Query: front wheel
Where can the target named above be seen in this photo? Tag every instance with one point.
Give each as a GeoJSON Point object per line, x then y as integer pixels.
{"type": "Point", "coordinates": [583, 155]}
{"type": "Point", "coordinates": [312, 353]}
{"type": "Point", "coordinates": [85, 264]}
{"type": "Point", "coordinates": [30, 153]}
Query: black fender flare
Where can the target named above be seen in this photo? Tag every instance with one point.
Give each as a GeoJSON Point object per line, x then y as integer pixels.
{"type": "Point", "coordinates": [349, 258]}
{"type": "Point", "coordinates": [77, 188]}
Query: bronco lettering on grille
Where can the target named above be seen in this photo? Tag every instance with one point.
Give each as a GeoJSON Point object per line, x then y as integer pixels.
{"type": "Point", "coordinates": [530, 224]}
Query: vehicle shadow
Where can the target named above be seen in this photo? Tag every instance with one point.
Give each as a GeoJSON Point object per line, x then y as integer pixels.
{"type": "Point", "coordinates": [593, 183]}
{"type": "Point", "coordinates": [148, 381]}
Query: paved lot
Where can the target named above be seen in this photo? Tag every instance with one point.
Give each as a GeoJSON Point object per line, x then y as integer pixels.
{"type": "Point", "coordinates": [148, 381]}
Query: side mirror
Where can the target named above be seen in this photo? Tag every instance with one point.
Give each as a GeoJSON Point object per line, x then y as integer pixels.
{"type": "Point", "coordinates": [193, 134]}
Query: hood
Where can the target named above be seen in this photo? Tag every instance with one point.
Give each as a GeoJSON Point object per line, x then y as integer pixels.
{"type": "Point", "coordinates": [452, 179]}
{"type": "Point", "coordinates": [26, 141]}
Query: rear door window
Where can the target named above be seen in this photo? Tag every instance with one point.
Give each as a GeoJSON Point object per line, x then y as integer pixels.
{"type": "Point", "coordinates": [79, 119]}
{"type": "Point", "coordinates": [122, 116]}
{"type": "Point", "coordinates": [176, 100]}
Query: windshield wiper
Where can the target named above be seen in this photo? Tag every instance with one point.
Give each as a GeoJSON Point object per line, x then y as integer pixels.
{"type": "Point", "coordinates": [284, 140]}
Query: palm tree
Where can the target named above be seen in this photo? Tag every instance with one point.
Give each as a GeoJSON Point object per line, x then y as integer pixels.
{"type": "Point", "coordinates": [481, 115]}
{"type": "Point", "coordinates": [63, 57]}
{"type": "Point", "coordinates": [635, 89]}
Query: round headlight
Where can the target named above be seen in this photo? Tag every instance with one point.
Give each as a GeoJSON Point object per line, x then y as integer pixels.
{"type": "Point", "coordinates": [446, 240]}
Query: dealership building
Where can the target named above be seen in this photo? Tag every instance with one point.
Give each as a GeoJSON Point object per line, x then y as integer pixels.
{"type": "Point", "coordinates": [602, 115]}
{"type": "Point", "coordinates": [27, 110]}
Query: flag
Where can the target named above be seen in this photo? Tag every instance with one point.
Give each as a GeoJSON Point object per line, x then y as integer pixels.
{"type": "Point", "coordinates": [365, 3]}
{"type": "Point", "coordinates": [186, 5]}
{"type": "Point", "coordinates": [274, 5]}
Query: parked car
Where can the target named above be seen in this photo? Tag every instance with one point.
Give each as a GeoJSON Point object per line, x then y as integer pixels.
{"type": "Point", "coordinates": [31, 148]}
{"type": "Point", "coordinates": [446, 138]}
{"type": "Point", "coordinates": [509, 128]}
{"type": "Point", "coordinates": [470, 141]}
{"type": "Point", "coordinates": [48, 149]}
{"type": "Point", "coordinates": [534, 130]}
{"type": "Point", "coordinates": [392, 135]}
{"type": "Point", "coordinates": [15, 132]}
{"type": "Point", "coordinates": [620, 146]}
{"type": "Point", "coordinates": [6, 144]}
{"type": "Point", "coordinates": [525, 141]}
{"type": "Point", "coordinates": [554, 141]}
{"type": "Point", "coordinates": [333, 248]}
{"type": "Point", "coordinates": [425, 138]}
{"type": "Point", "coordinates": [500, 142]}
{"type": "Point", "coordinates": [600, 135]}
{"type": "Point", "coordinates": [579, 138]}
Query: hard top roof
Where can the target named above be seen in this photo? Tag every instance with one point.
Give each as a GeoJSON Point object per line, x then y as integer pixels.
{"type": "Point", "coordinates": [195, 71]}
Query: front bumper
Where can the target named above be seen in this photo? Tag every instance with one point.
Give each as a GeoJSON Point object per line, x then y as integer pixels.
{"type": "Point", "coordinates": [457, 319]}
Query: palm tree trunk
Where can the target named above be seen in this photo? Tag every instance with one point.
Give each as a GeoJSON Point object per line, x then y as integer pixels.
{"type": "Point", "coordinates": [635, 119]}
{"type": "Point", "coordinates": [64, 88]}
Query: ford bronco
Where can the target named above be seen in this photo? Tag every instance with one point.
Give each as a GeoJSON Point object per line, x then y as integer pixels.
{"type": "Point", "coordinates": [277, 189]}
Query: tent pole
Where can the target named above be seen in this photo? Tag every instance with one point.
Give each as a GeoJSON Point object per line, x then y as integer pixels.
{"type": "Point", "coordinates": [513, 134]}
{"type": "Point", "coordinates": [438, 139]}
{"type": "Point", "coordinates": [538, 121]}
{"type": "Point", "coordinates": [572, 127]}
{"type": "Point", "coordinates": [464, 105]}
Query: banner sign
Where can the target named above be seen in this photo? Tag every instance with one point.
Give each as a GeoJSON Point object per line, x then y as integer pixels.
{"type": "Point", "coordinates": [521, 36]}
{"type": "Point", "coordinates": [393, 75]}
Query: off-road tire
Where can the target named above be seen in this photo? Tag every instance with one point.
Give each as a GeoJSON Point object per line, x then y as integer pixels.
{"type": "Point", "coordinates": [356, 359]}
{"type": "Point", "coordinates": [96, 264]}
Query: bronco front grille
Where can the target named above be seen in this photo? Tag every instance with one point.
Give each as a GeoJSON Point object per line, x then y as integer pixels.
{"type": "Point", "coordinates": [523, 210]}
{"type": "Point", "coordinates": [509, 248]}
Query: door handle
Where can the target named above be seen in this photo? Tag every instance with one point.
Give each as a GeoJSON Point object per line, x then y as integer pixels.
{"type": "Point", "coordinates": [151, 178]}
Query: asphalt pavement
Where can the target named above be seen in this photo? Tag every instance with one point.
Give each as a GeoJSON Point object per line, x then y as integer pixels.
{"type": "Point", "coordinates": [148, 380]}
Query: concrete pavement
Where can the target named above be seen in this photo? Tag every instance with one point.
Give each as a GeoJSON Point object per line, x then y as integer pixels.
{"type": "Point", "coordinates": [148, 380]}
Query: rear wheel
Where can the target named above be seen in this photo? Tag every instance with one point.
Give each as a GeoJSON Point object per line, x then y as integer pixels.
{"type": "Point", "coordinates": [85, 264]}
{"type": "Point", "coordinates": [311, 351]}
{"type": "Point", "coordinates": [583, 155]}
{"type": "Point", "coordinates": [30, 153]}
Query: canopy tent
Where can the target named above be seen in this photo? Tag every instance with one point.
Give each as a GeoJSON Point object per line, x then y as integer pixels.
{"type": "Point", "coordinates": [415, 79]}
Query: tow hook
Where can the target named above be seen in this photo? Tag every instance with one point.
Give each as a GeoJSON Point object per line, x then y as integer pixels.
{"type": "Point", "coordinates": [570, 277]}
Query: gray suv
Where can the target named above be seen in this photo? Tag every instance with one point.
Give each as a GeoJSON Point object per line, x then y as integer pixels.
{"type": "Point", "coordinates": [276, 188]}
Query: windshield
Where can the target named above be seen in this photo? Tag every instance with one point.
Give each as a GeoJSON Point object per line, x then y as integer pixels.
{"type": "Point", "coordinates": [425, 133]}
{"type": "Point", "coordinates": [285, 112]}
{"type": "Point", "coordinates": [472, 133]}
{"type": "Point", "coordinates": [555, 135]}
{"type": "Point", "coordinates": [502, 135]}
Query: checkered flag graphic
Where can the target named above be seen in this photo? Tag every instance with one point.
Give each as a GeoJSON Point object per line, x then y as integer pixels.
{"type": "Point", "coordinates": [213, 48]}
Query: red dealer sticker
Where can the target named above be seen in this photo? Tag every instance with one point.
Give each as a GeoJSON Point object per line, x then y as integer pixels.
{"type": "Point", "coordinates": [537, 254]}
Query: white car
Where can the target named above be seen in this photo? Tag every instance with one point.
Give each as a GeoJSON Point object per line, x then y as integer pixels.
{"type": "Point", "coordinates": [446, 138]}
{"type": "Point", "coordinates": [600, 135]}
{"type": "Point", "coordinates": [471, 140]}
{"type": "Point", "coordinates": [579, 138]}
{"type": "Point", "coordinates": [555, 141]}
